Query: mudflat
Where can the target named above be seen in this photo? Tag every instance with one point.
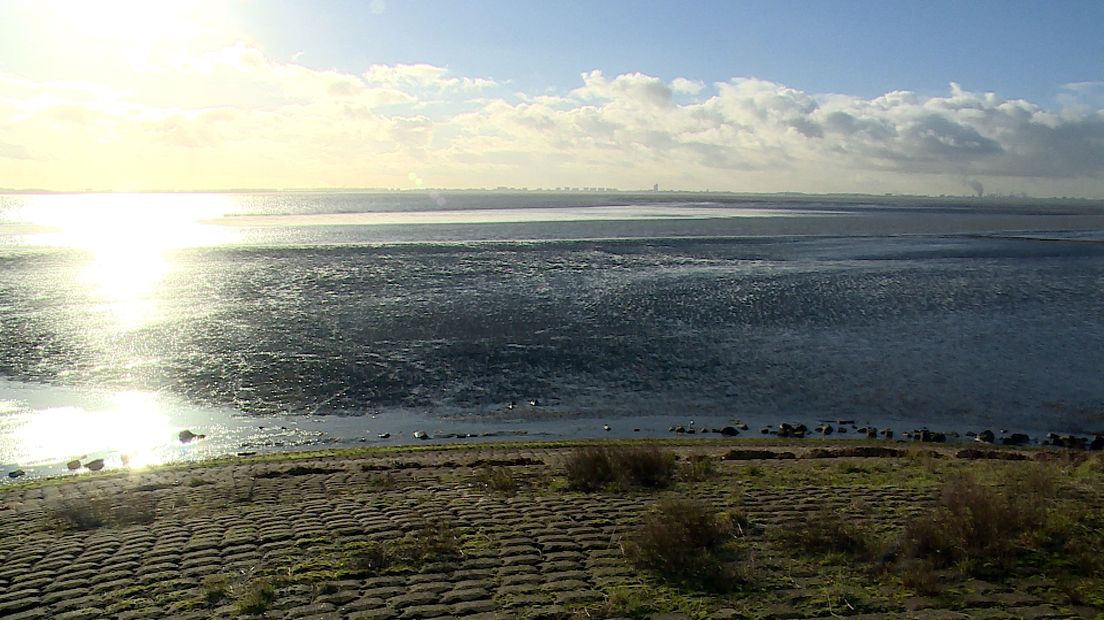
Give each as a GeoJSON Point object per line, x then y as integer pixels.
{"type": "Point", "coordinates": [814, 530]}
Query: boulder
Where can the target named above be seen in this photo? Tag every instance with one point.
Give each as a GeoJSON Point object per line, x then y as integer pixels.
{"type": "Point", "coordinates": [729, 431]}
{"type": "Point", "coordinates": [930, 436]}
{"type": "Point", "coordinates": [73, 465]}
{"type": "Point", "coordinates": [17, 473]}
{"type": "Point", "coordinates": [986, 436]}
{"type": "Point", "coordinates": [186, 436]}
{"type": "Point", "coordinates": [95, 465]}
{"type": "Point", "coordinates": [1016, 439]}
{"type": "Point", "coordinates": [1097, 443]}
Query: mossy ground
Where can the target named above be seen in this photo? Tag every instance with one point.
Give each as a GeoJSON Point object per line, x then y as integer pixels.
{"type": "Point", "coordinates": [817, 537]}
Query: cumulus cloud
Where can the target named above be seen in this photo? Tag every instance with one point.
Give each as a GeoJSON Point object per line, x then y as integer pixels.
{"type": "Point", "coordinates": [240, 118]}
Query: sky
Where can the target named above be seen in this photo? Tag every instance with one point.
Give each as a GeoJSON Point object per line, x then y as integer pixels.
{"type": "Point", "coordinates": [928, 97]}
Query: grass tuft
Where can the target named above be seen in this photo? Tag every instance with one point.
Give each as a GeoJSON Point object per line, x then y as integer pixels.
{"type": "Point", "coordinates": [595, 467]}
{"type": "Point", "coordinates": [686, 541]}
{"type": "Point", "coordinates": [257, 597]}
{"type": "Point", "coordinates": [96, 512]}
{"type": "Point", "coordinates": [497, 479]}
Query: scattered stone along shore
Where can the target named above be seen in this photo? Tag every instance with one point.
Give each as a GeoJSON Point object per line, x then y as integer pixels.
{"type": "Point", "coordinates": [493, 532]}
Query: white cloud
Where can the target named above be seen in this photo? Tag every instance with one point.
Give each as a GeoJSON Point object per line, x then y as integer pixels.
{"type": "Point", "coordinates": [423, 76]}
{"type": "Point", "coordinates": [235, 117]}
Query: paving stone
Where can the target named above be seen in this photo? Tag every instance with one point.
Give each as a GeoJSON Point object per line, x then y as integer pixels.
{"type": "Point", "coordinates": [575, 597]}
{"type": "Point", "coordinates": [431, 586]}
{"type": "Point", "coordinates": [425, 611]}
{"type": "Point", "coordinates": [480, 606]}
{"type": "Point", "coordinates": [87, 613]}
{"type": "Point", "coordinates": [459, 596]}
{"type": "Point", "coordinates": [382, 613]}
{"type": "Point", "coordinates": [1036, 612]}
{"type": "Point", "coordinates": [338, 599]}
{"type": "Point", "coordinates": [384, 592]}
{"type": "Point", "coordinates": [548, 612]}
{"type": "Point", "coordinates": [413, 599]}
{"type": "Point", "coordinates": [565, 585]}
{"type": "Point", "coordinates": [27, 614]}
{"type": "Point", "coordinates": [311, 609]}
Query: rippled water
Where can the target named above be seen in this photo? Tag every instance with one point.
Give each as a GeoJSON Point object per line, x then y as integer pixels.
{"type": "Point", "coordinates": [613, 308]}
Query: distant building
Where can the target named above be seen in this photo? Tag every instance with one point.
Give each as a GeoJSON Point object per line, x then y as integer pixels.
{"type": "Point", "coordinates": [655, 188]}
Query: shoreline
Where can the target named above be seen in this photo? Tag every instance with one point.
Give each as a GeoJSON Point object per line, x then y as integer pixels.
{"type": "Point", "coordinates": [198, 540]}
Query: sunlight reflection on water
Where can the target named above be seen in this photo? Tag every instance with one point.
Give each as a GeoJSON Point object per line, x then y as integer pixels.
{"type": "Point", "coordinates": [133, 424]}
{"type": "Point", "coordinates": [130, 239]}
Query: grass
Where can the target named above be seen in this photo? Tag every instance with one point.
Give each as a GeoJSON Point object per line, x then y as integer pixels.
{"type": "Point", "coordinates": [591, 468]}
{"type": "Point", "coordinates": [828, 532]}
{"type": "Point", "coordinates": [687, 541]}
{"type": "Point", "coordinates": [430, 542]}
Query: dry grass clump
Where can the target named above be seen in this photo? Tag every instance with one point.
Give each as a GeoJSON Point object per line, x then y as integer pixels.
{"type": "Point", "coordinates": [1022, 526]}
{"type": "Point", "coordinates": [687, 541]}
{"type": "Point", "coordinates": [971, 521]}
{"type": "Point", "coordinates": [595, 467]}
{"type": "Point", "coordinates": [699, 467]}
{"type": "Point", "coordinates": [497, 479]}
{"type": "Point", "coordinates": [828, 532]}
{"type": "Point", "coordinates": [96, 512]}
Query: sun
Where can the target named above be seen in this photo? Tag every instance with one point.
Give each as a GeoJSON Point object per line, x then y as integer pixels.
{"type": "Point", "coordinates": [140, 31]}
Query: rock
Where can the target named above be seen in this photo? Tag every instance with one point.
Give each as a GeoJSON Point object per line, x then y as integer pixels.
{"type": "Point", "coordinates": [985, 436]}
{"type": "Point", "coordinates": [729, 431]}
{"type": "Point", "coordinates": [17, 473]}
{"type": "Point", "coordinates": [842, 429]}
{"type": "Point", "coordinates": [930, 436]}
{"type": "Point", "coordinates": [825, 429]}
{"type": "Point", "coordinates": [765, 430]}
{"type": "Point", "coordinates": [1016, 439]}
{"type": "Point", "coordinates": [383, 435]}
{"type": "Point", "coordinates": [606, 427]}
{"type": "Point", "coordinates": [95, 465]}
{"type": "Point", "coordinates": [887, 433]}
{"type": "Point", "coordinates": [871, 433]}
{"type": "Point", "coordinates": [636, 430]}
{"type": "Point", "coordinates": [73, 465]}
{"type": "Point", "coordinates": [1000, 455]}
{"type": "Point", "coordinates": [421, 435]}
{"type": "Point", "coordinates": [534, 403]}
{"type": "Point", "coordinates": [247, 454]}
{"type": "Point", "coordinates": [186, 436]}
{"type": "Point", "coordinates": [1097, 443]}
{"type": "Point", "coordinates": [742, 426]}
{"type": "Point", "coordinates": [679, 429]}
{"type": "Point", "coordinates": [750, 454]}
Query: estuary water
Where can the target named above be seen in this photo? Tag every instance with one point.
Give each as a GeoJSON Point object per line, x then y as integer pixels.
{"type": "Point", "coordinates": [281, 321]}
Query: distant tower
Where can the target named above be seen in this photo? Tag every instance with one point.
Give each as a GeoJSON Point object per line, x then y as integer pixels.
{"type": "Point", "coordinates": [655, 188]}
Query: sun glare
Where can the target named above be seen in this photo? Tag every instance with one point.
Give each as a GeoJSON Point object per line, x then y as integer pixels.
{"type": "Point", "coordinates": [133, 425]}
{"type": "Point", "coordinates": [130, 240]}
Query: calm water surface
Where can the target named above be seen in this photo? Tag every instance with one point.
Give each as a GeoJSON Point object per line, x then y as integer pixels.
{"type": "Point", "coordinates": [287, 321]}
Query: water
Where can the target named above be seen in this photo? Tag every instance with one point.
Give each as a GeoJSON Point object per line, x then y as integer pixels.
{"type": "Point", "coordinates": [288, 321]}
